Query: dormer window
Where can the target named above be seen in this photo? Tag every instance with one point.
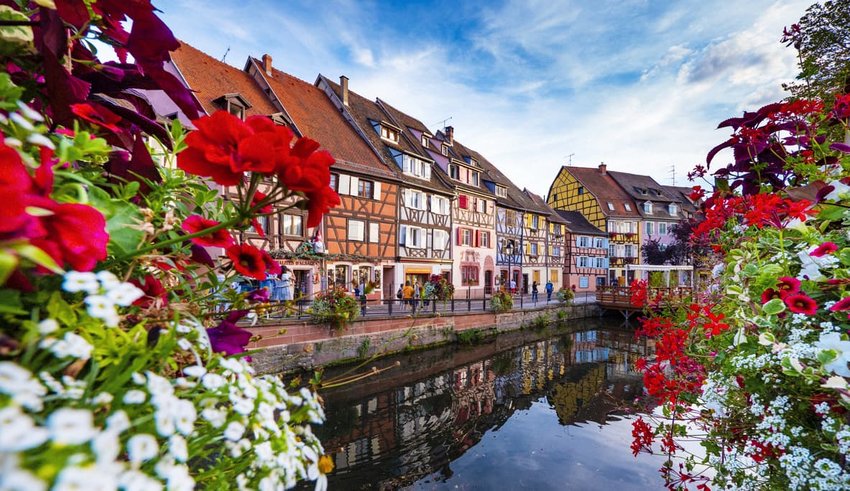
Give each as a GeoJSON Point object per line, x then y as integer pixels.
{"type": "Point", "coordinates": [235, 104]}
{"type": "Point", "coordinates": [475, 178]}
{"type": "Point", "coordinates": [454, 172]}
{"type": "Point", "coordinates": [611, 206]}
{"type": "Point", "coordinates": [472, 161]}
{"type": "Point", "coordinates": [416, 167]}
{"type": "Point", "coordinates": [501, 191]}
{"type": "Point", "coordinates": [628, 206]}
{"type": "Point", "coordinates": [673, 209]}
{"type": "Point", "coordinates": [390, 134]}
{"type": "Point", "coordinates": [445, 150]}
{"type": "Point", "coordinates": [647, 207]}
{"type": "Point", "coordinates": [424, 141]}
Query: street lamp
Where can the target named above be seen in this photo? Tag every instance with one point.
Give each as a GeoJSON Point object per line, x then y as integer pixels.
{"type": "Point", "coordinates": [509, 250]}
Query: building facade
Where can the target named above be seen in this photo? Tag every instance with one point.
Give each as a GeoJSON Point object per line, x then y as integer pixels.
{"type": "Point", "coordinates": [586, 265]}
{"type": "Point", "coordinates": [555, 248]}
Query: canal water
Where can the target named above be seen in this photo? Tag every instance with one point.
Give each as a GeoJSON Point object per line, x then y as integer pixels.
{"type": "Point", "coordinates": [529, 410]}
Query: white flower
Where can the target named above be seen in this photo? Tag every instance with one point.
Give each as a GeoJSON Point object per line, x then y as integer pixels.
{"type": "Point", "coordinates": [134, 396]}
{"type": "Point", "coordinates": [185, 415]}
{"type": "Point", "coordinates": [88, 478]}
{"type": "Point", "coordinates": [159, 386]}
{"type": "Point", "coordinates": [18, 431]}
{"type": "Point", "coordinates": [124, 294]}
{"type": "Point", "coordinates": [195, 371]}
{"type": "Point", "coordinates": [102, 399]}
{"type": "Point", "coordinates": [141, 448]}
{"type": "Point", "coordinates": [184, 344]}
{"type": "Point", "coordinates": [70, 346]}
{"type": "Point", "coordinates": [106, 446]}
{"type": "Point", "coordinates": [234, 366]}
{"type": "Point", "coordinates": [832, 341]}
{"type": "Point", "coordinates": [108, 279]}
{"type": "Point", "coordinates": [138, 378]}
{"type": "Point", "coordinates": [177, 448]}
{"type": "Point", "coordinates": [234, 431]}
{"type": "Point", "coordinates": [80, 282]}
{"type": "Point", "coordinates": [213, 381]}
{"type": "Point", "coordinates": [133, 480]}
{"type": "Point", "coordinates": [242, 405]}
{"type": "Point", "coordinates": [21, 480]}
{"type": "Point", "coordinates": [102, 307]}
{"type": "Point", "coordinates": [835, 382]}
{"type": "Point", "coordinates": [216, 417]}
{"type": "Point", "coordinates": [47, 326]}
{"type": "Point", "coordinates": [264, 452]}
{"type": "Point", "coordinates": [118, 422]}
{"type": "Point", "coordinates": [71, 426]}
{"type": "Point", "coordinates": [21, 385]}
{"type": "Point", "coordinates": [839, 192]}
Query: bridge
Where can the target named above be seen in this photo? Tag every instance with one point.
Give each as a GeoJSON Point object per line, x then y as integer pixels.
{"type": "Point", "coordinates": [619, 298]}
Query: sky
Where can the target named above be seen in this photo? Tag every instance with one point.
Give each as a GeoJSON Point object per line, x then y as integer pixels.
{"type": "Point", "coordinates": [531, 85]}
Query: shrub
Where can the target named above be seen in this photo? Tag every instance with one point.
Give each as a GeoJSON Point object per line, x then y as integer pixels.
{"type": "Point", "coordinates": [566, 296]}
{"type": "Point", "coordinates": [501, 302]}
{"type": "Point", "coordinates": [335, 307]}
{"type": "Point", "coordinates": [470, 336]}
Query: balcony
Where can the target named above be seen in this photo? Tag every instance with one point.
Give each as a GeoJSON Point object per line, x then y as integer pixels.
{"type": "Point", "coordinates": [628, 237]}
{"type": "Point", "coordinates": [621, 261]}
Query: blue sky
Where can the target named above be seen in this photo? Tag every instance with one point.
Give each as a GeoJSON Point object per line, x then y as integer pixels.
{"type": "Point", "coordinates": [639, 85]}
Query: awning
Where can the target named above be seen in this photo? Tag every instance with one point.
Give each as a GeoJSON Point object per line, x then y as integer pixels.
{"type": "Point", "coordinates": [417, 270]}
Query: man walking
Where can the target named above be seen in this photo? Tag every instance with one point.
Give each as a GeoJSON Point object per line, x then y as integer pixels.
{"type": "Point", "coordinates": [534, 292]}
{"type": "Point", "coordinates": [549, 289]}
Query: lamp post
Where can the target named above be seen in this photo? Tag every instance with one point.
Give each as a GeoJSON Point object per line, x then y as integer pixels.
{"type": "Point", "coordinates": [509, 250]}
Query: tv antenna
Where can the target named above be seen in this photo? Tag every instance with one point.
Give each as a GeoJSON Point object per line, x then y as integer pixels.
{"type": "Point", "coordinates": [225, 54]}
{"type": "Point", "coordinates": [673, 174]}
{"type": "Point", "coordinates": [442, 124]}
{"type": "Point", "coordinates": [570, 159]}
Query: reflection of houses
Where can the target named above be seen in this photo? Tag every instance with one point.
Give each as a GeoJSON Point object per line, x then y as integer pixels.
{"type": "Point", "coordinates": [419, 427]}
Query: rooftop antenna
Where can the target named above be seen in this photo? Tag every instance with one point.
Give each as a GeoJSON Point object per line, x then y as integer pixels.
{"type": "Point", "coordinates": [443, 123]}
{"type": "Point", "coordinates": [225, 54]}
{"type": "Point", "coordinates": [673, 173]}
{"type": "Point", "coordinates": [570, 158]}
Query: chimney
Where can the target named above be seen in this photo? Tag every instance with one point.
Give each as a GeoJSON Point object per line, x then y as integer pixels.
{"type": "Point", "coordinates": [267, 64]}
{"type": "Point", "coordinates": [343, 83]}
{"type": "Point", "coordinates": [603, 168]}
{"type": "Point", "coordinates": [450, 134]}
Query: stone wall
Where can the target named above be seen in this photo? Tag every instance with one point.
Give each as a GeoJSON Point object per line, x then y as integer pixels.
{"type": "Point", "coordinates": [302, 345]}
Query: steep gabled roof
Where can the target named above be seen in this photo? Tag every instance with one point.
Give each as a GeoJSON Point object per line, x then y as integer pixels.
{"type": "Point", "coordinates": [541, 204]}
{"type": "Point", "coordinates": [515, 198]}
{"type": "Point", "coordinates": [457, 152]}
{"type": "Point", "coordinates": [606, 190]}
{"type": "Point", "coordinates": [212, 79]}
{"type": "Point", "coordinates": [317, 118]}
{"type": "Point", "coordinates": [578, 224]}
{"type": "Point", "coordinates": [682, 196]}
{"type": "Point", "coordinates": [642, 189]}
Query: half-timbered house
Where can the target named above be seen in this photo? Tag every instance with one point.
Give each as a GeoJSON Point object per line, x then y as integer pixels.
{"type": "Point", "coordinates": [659, 209]}
{"type": "Point", "coordinates": [221, 87]}
{"type": "Point", "coordinates": [596, 195]}
{"type": "Point", "coordinates": [554, 250]}
{"type": "Point", "coordinates": [359, 235]}
{"type": "Point", "coordinates": [586, 265]}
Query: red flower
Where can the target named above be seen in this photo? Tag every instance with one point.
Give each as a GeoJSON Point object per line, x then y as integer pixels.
{"type": "Point", "coordinates": [97, 114]}
{"type": "Point", "coordinates": [155, 294]}
{"type": "Point", "coordinates": [769, 295]}
{"type": "Point", "coordinates": [320, 202]}
{"type": "Point", "coordinates": [213, 149]}
{"type": "Point", "coordinates": [787, 285]}
{"type": "Point", "coordinates": [257, 199]}
{"type": "Point", "coordinates": [638, 293]}
{"type": "Point", "coordinates": [800, 303]}
{"type": "Point", "coordinates": [841, 305]}
{"type": "Point", "coordinates": [197, 223]}
{"type": "Point", "coordinates": [824, 249]}
{"type": "Point", "coordinates": [75, 234]}
{"type": "Point", "coordinates": [714, 327]}
{"type": "Point", "coordinates": [697, 193]}
{"type": "Point", "coordinates": [248, 260]}
{"type": "Point", "coordinates": [272, 266]}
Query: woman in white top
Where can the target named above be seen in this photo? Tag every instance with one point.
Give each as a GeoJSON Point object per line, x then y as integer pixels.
{"type": "Point", "coordinates": [286, 280]}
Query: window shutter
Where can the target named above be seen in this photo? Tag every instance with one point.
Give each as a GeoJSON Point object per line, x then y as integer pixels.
{"type": "Point", "coordinates": [402, 237]}
{"type": "Point", "coordinates": [376, 190]}
{"type": "Point", "coordinates": [355, 183]}
{"type": "Point", "coordinates": [477, 237]}
{"type": "Point", "coordinates": [459, 236]}
{"type": "Point", "coordinates": [462, 201]}
{"type": "Point", "coordinates": [344, 184]}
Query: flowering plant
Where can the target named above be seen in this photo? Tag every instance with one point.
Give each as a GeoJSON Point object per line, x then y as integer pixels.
{"type": "Point", "coordinates": [439, 288]}
{"type": "Point", "coordinates": [566, 296]}
{"type": "Point", "coordinates": [756, 366]}
{"type": "Point", "coordinates": [335, 307]}
{"type": "Point", "coordinates": [116, 368]}
{"type": "Point", "coordinates": [501, 301]}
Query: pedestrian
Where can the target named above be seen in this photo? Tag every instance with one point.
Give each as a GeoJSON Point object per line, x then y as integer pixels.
{"type": "Point", "coordinates": [534, 292]}
{"type": "Point", "coordinates": [513, 286]}
{"type": "Point", "coordinates": [286, 283]}
{"type": "Point", "coordinates": [407, 293]}
{"type": "Point", "coordinates": [549, 289]}
{"type": "Point", "coordinates": [417, 294]}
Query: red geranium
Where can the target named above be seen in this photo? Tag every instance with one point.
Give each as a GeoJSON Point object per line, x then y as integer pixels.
{"type": "Point", "coordinates": [97, 114]}
{"type": "Point", "coordinates": [248, 260]}
{"type": "Point", "coordinates": [213, 149]}
{"type": "Point", "coordinates": [320, 202]}
{"type": "Point", "coordinates": [800, 303]}
{"type": "Point", "coordinates": [219, 238]}
{"type": "Point", "coordinates": [769, 295]}
{"type": "Point", "coordinates": [257, 199]}
{"type": "Point", "coordinates": [824, 249]}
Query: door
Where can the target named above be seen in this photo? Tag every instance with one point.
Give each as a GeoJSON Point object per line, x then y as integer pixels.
{"type": "Point", "coordinates": [525, 282]}
{"type": "Point", "coordinates": [488, 282]}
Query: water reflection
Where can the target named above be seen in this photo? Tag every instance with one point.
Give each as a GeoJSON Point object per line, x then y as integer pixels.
{"type": "Point", "coordinates": [414, 425]}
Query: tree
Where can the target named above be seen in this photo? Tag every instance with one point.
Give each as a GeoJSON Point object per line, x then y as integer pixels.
{"type": "Point", "coordinates": [822, 38]}
{"type": "Point", "coordinates": [654, 252]}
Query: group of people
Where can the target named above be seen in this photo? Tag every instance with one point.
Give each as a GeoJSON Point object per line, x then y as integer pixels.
{"type": "Point", "coordinates": [279, 286]}
{"type": "Point", "coordinates": [411, 294]}
{"type": "Point", "coordinates": [550, 288]}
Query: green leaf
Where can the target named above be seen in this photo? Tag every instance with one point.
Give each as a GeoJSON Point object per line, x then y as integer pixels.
{"type": "Point", "coordinates": [774, 306]}
{"type": "Point", "coordinates": [10, 302]}
{"type": "Point", "coordinates": [58, 308]}
{"type": "Point", "coordinates": [8, 263]}
{"type": "Point", "coordinates": [831, 213]}
{"type": "Point", "coordinates": [10, 93]}
{"type": "Point", "coordinates": [37, 256]}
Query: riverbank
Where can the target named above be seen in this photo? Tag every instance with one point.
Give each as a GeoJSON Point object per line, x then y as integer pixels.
{"type": "Point", "coordinates": [299, 345]}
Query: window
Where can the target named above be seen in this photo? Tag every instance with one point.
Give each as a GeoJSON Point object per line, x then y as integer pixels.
{"type": "Point", "coordinates": [355, 230]}
{"type": "Point", "coordinates": [388, 133]}
{"type": "Point", "coordinates": [583, 282]}
{"type": "Point", "coordinates": [584, 241]}
{"type": "Point", "coordinates": [662, 228]}
{"type": "Point", "coordinates": [462, 201]}
{"type": "Point", "coordinates": [581, 191]}
{"type": "Point", "coordinates": [553, 276]}
{"type": "Point", "coordinates": [628, 206]}
{"type": "Point", "coordinates": [292, 225]}
{"type": "Point", "coordinates": [469, 275]}
{"type": "Point", "coordinates": [340, 275]}
{"type": "Point", "coordinates": [361, 275]}
{"type": "Point", "coordinates": [673, 209]}
{"type": "Point", "coordinates": [630, 251]}
{"type": "Point", "coordinates": [454, 171]}
{"type": "Point", "coordinates": [412, 237]}
{"type": "Point", "coordinates": [475, 178]}
{"type": "Point", "coordinates": [647, 207]}
{"type": "Point", "coordinates": [556, 251]}
{"type": "Point", "coordinates": [365, 189]}
{"type": "Point", "coordinates": [612, 250]}
{"type": "Point", "coordinates": [611, 206]}
{"type": "Point", "coordinates": [485, 239]}
{"type": "Point", "coordinates": [535, 222]}
{"type": "Point", "coordinates": [416, 167]}
{"type": "Point", "coordinates": [441, 240]}
{"type": "Point", "coordinates": [510, 218]}
{"type": "Point", "coordinates": [501, 191]}
{"type": "Point", "coordinates": [556, 230]}
{"type": "Point", "coordinates": [414, 199]}
{"type": "Point", "coordinates": [650, 228]}
{"type": "Point", "coordinates": [534, 249]}
{"type": "Point", "coordinates": [265, 224]}
{"type": "Point", "coordinates": [445, 151]}
{"type": "Point", "coordinates": [440, 205]}
{"type": "Point", "coordinates": [334, 181]}
{"type": "Point", "coordinates": [482, 206]}
{"type": "Point", "coordinates": [600, 262]}
{"type": "Point", "coordinates": [582, 261]}
{"type": "Point", "coordinates": [374, 232]}
{"type": "Point", "coordinates": [598, 242]}
{"type": "Point", "coordinates": [236, 110]}
{"type": "Point", "coordinates": [466, 237]}
{"type": "Point", "coordinates": [424, 141]}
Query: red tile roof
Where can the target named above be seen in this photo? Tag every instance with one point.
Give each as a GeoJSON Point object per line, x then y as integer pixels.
{"type": "Point", "coordinates": [316, 116]}
{"type": "Point", "coordinates": [606, 190]}
{"type": "Point", "coordinates": [211, 79]}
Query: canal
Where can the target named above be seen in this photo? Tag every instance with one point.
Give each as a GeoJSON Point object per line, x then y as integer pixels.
{"type": "Point", "coordinates": [528, 410]}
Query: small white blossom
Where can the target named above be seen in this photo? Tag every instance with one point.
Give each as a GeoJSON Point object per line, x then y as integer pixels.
{"type": "Point", "coordinates": [19, 383]}
{"type": "Point", "coordinates": [134, 396]}
{"type": "Point", "coordinates": [216, 417]}
{"type": "Point", "coordinates": [47, 326]}
{"type": "Point", "coordinates": [102, 307]}
{"type": "Point", "coordinates": [21, 480]}
{"type": "Point", "coordinates": [106, 446]}
{"type": "Point", "coordinates": [118, 422]}
{"type": "Point", "coordinates": [177, 448]}
{"type": "Point", "coordinates": [141, 448]}
{"type": "Point", "coordinates": [124, 294]}
{"type": "Point", "coordinates": [234, 431]}
{"type": "Point", "coordinates": [133, 480]}
{"type": "Point", "coordinates": [71, 426]}
{"type": "Point", "coordinates": [213, 381]}
{"type": "Point", "coordinates": [195, 371]}
{"type": "Point", "coordinates": [108, 279]}
{"type": "Point", "coordinates": [76, 281]}
{"type": "Point", "coordinates": [19, 431]}
{"type": "Point", "coordinates": [88, 478]}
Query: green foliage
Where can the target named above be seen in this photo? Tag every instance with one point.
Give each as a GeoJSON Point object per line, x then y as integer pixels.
{"type": "Point", "coordinates": [470, 336]}
{"type": "Point", "coordinates": [501, 302]}
{"type": "Point", "coordinates": [363, 349]}
{"type": "Point", "coordinates": [335, 307]}
{"type": "Point", "coordinates": [541, 321]}
{"type": "Point", "coordinates": [566, 296]}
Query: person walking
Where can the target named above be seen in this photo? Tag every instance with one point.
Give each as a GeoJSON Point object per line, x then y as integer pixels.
{"type": "Point", "coordinates": [286, 284]}
{"type": "Point", "coordinates": [534, 292]}
{"type": "Point", "coordinates": [549, 289]}
{"type": "Point", "coordinates": [407, 293]}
